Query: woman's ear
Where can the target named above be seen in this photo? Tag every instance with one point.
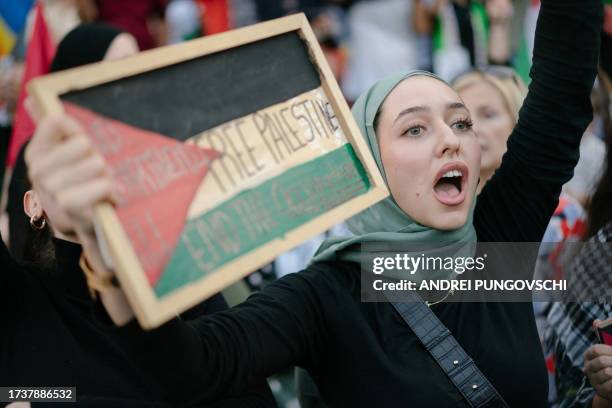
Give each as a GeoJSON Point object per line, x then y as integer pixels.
{"type": "Point", "coordinates": [32, 206]}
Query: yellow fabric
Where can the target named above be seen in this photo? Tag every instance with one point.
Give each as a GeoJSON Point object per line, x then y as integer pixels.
{"type": "Point", "coordinates": [7, 38]}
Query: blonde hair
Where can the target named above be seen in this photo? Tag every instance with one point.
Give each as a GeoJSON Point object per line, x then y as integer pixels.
{"type": "Point", "coordinates": [510, 86]}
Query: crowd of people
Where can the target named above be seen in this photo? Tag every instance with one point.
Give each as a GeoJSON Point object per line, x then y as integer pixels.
{"type": "Point", "coordinates": [523, 112]}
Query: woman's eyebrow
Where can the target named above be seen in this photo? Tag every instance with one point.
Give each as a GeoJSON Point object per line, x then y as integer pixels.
{"type": "Point", "coordinates": [455, 106]}
{"type": "Point", "coordinates": [411, 110]}
{"type": "Point", "coordinates": [450, 106]}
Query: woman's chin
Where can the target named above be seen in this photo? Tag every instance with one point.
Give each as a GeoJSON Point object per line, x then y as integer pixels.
{"type": "Point", "coordinates": [449, 218]}
{"type": "Point", "coordinates": [450, 223]}
{"type": "Point", "coordinates": [488, 167]}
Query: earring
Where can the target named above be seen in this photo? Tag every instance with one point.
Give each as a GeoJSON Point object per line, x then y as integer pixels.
{"type": "Point", "coordinates": [38, 224]}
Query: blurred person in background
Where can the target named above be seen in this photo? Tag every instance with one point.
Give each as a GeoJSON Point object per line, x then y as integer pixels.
{"type": "Point", "coordinates": [11, 74]}
{"type": "Point", "coordinates": [61, 16]}
{"type": "Point", "coordinates": [590, 167]}
{"type": "Point", "coordinates": [329, 27]}
{"type": "Point", "coordinates": [269, 9]}
{"type": "Point", "coordinates": [468, 33]}
{"type": "Point", "coordinates": [144, 19]}
{"type": "Point", "coordinates": [382, 41]}
{"type": "Point", "coordinates": [494, 96]}
{"type": "Point", "coordinates": [243, 13]}
{"type": "Point", "coordinates": [582, 366]}
{"type": "Point", "coordinates": [606, 49]}
{"type": "Point", "coordinates": [565, 330]}
{"type": "Point", "coordinates": [183, 20]}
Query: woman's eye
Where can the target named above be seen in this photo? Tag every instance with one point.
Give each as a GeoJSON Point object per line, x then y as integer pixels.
{"type": "Point", "coordinates": [462, 125]}
{"type": "Point", "coordinates": [413, 131]}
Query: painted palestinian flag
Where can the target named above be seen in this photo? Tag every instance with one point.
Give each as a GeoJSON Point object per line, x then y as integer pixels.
{"type": "Point", "coordinates": [148, 168]}
{"type": "Point", "coordinates": [215, 159]}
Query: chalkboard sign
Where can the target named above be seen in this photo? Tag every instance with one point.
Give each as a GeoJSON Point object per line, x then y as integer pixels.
{"type": "Point", "coordinates": [227, 150]}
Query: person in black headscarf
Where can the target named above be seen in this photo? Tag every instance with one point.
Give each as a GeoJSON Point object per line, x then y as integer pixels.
{"type": "Point", "coordinates": [90, 43]}
{"type": "Point", "coordinates": [86, 44]}
{"type": "Point", "coordinates": [48, 336]}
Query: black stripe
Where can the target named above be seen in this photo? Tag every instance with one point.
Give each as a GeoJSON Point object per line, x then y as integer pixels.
{"type": "Point", "coordinates": [185, 99]}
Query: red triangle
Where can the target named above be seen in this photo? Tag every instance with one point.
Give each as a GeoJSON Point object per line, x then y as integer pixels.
{"type": "Point", "coordinates": [158, 178]}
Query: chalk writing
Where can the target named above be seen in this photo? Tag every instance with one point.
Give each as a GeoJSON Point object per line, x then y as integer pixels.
{"type": "Point", "coordinates": [152, 170]}
{"type": "Point", "coordinates": [266, 139]}
{"type": "Point", "coordinates": [259, 215]}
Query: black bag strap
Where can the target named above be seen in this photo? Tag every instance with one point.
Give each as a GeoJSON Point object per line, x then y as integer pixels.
{"type": "Point", "coordinates": [448, 353]}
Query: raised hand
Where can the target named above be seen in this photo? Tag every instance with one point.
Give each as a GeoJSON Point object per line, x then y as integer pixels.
{"type": "Point", "coordinates": [598, 369]}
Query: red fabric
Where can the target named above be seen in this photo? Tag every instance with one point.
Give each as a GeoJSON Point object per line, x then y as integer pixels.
{"type": "Point", "coordinates": [132, 16]}
{"type": "Point", "coordinates": [216, 16]}
{"type": "Point", "coordinates": [570, 233]}
{"type": "Point", "coordinates": [550, 363]}
{"type": "Point", "coordinates": [157, 178]}
{"type": "Point", "coordinates": [38, 60]}
{"type": "Point", "coordinates": [606, 338]}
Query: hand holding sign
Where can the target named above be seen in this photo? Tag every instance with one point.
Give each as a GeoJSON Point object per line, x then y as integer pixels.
{"type": "Point", "coordinates": [226, 151]}
{"type": "Point", "coordinates": [68, 174]}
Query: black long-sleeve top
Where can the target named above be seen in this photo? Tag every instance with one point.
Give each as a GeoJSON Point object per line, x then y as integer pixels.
{"type": "Point", "coordinates": [363, 354]}
{"type": "Point", "coordinates": [50, 337]}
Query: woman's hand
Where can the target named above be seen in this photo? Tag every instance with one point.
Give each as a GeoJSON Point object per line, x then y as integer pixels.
{"type": "Point", "coordinates": [598, 369]}
{"type": "Point", "coordinates": [69, 176]}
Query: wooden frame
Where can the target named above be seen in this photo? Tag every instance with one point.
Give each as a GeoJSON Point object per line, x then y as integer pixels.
{"type": "Point", "coordinates": [150, 310]}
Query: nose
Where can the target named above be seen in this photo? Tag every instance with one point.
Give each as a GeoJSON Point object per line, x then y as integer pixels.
{"type": "Point", "coordinates": [449, 141]}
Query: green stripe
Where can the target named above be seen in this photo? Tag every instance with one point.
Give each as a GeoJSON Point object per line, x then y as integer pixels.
{"type": "Point", "coordinates": [259, 215]}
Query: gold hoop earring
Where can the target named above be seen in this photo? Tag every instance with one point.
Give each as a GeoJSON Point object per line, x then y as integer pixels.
{"type": "Point", "coordinates": [38, 224]}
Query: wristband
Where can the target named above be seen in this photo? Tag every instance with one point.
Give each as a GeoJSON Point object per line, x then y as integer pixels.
{"type": "Point", "coordinates": [95, 282]}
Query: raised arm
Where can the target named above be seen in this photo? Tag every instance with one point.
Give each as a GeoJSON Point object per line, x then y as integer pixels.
{"type": "Point", "coordinates": [517, 203]}
{"type": "Point", "coordinates": [223, 355]}
{"type": "Point", "coordinates": [200, 361]}
{"type": "Point", "coordinates": [256, 396]}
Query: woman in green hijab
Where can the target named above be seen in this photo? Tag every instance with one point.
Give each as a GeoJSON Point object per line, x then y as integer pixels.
{"type": "Point", "coordinates": [428, 155]}
{"type": "Point", "coordinates": [362, 354]}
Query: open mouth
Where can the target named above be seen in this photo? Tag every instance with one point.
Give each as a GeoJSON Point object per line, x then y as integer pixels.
{"type": "Point", "coordinates": [450, 183]}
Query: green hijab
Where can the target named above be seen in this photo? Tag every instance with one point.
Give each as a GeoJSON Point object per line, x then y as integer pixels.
{"type": "Point", "coordinates": [385, 222]}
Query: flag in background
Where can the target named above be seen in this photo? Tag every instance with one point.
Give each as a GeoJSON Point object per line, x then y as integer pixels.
{"type": "Point", "coordinates": [216, 16]}
{"type": "Point", "coordinates": [13, 16]}
{"type": "Point", "coordinates": [40, 51]}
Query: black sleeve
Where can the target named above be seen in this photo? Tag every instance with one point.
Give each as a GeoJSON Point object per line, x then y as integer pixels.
{"type": "Point", "coordinates": [223, 355]}
{"type": "Point", "coordinates": [256, 396]}
{"type": "Point", "coordinates": [12, 280]}
{"type": "Point", "coordinates": [211, 305]}
{"type": "Point", "coordinates": [518, 201]}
